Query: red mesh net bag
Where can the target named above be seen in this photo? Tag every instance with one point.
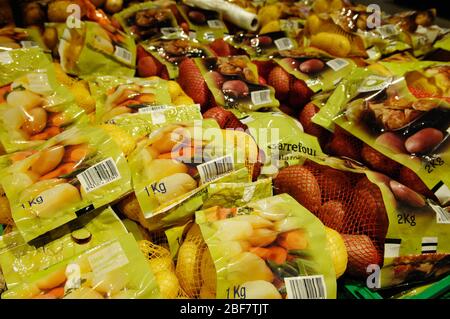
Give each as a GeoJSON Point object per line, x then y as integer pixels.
{"type": "Point", "coordinates": [344, 201]}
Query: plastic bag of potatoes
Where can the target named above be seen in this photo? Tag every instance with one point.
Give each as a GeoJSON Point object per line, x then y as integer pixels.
{"type": "Point", "coordinates": [76, 171]}
{"type": "Point", "coordinates": [115, 269]}
{"type": "Point", "coordinates": [266, 249]}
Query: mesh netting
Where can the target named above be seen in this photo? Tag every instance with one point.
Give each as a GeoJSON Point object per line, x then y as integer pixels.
{"type": "Point", "coordinates": [346, 202]}
{"type": "Point", "coordinates": [195, 267]}
{"type": "Point", "coordinates": [163, 268]}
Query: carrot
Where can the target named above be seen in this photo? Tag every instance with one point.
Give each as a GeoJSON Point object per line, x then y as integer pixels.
{"type": "Point", "coordinates": [277, 254]}
{"type": "Point", "coordinates": [260, 251]}
{"type": "Point", "coordinates": [56, 119]}
{"type": "Point", "coordinates": [56, 292]}
{"type": "Point", "coordinates": [146, 98]}
{"type": "Point", "coordinates": [62, 169]}
{"type": "Point", "coordinates": [294, 239]}
{"type": "Point", "coordinates": [46, 134]}
{"type": "Point", "coordinates": [75, 153]}
{"type": "Point", "coordinates": [224, 213]}
{"type": "Point", "coordinates": [129, 102]}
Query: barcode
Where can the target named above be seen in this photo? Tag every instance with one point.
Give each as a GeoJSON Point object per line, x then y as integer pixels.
{"type": "Point", "coordinates": [388, 30]}
{"type": "Point", "coordinates": [123, 54]}
{"type": "Point", "coordinates": [442, 192]}
{"type": "Point", "coordinates": [5, 58]}
{"type": "Point", "coordinates": [306, 287]}
{"type": "Point", "coordinates": [209, 36]}
{"type": "Point", "coordinates": [337, 64]}
{"type": "Point", "coordinates": [28, 44]}
{"type": "Point", "coordinates": [284, 44]}
{"type": "Point", "coordinates": [260, 97]}
{"type": "Point", "coordinates": [154, 108]}
{"type": "Point", "coordinates": [99, 175]}
{"type": "Point", "coordinates": [216, 24]}
{"type": "Point", "coordinates": [215, 168]}
{"type": "Point", "coordinates": [429, 245]}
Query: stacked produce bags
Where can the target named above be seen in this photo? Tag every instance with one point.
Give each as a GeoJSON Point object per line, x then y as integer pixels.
{"type": "Point", "coordinates": [221, 149]}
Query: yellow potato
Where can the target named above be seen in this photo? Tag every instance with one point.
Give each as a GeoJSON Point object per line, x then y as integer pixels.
{"type": "Point", "coordinates": [161, 263]}
{"type": "Point", "coordinates": [160, 168]}
{"type": "Point", "coordinates": [112, 282]}
{"type": "Point", "coordinates": [333, 43]}
{"type": "Point", "coordinates": [183, 100]}
{"type": "Point", "coordinates": [25, 100]}
{"type": "Point", "coordinates": [48, 160]}
{"type": "Point", "coordinates": [166, 141]}
{"type": "Point", "coordinates": [174, 89]}
{"type": "Point", "coordinates": [248, 267]}
{"type": "Point", "coordinates": [262, 237]}
{"type": "Point", "coordinates": [207, 292]}
{"type": "Point", "coordinates": [313, 23]}
{"type": "Point", "coordinates": [53, 280]}
{"type": "Point", "coordinates": [84, 293]}
{"type": "Point", "coordinates": [56, 198]}
{"type": "Point", "coordinates": [260, 289]}
{"type": "Point", "coordinates": [175, 185]}
{"type": "Point", "coordinates": [36, 121]}
{"type": "Point", "coordinates": [168, 284]}
{"type": "Point", "coordinates": [50, 37]}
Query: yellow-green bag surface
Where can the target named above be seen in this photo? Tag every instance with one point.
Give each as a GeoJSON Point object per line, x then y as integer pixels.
{"type": "Point", "coordinates": [73, 173]}
{"type": "Point", "coordinates": [253, 257]}
{"type": "Point", "coordinates": [116, 269]}
{"type": "Point", "coordinates": [20, 260]}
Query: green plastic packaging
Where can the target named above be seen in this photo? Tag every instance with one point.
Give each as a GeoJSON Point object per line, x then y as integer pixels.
{"type": "Point", "coordinates": [72, 173]}
{"type": "Point", "coordinates": [116, 269]}
{"type": "Point", "coordinates": [20, 260]}
{"type": "Point", "coordinates": [91, 50]}
{"type": "Point", "coordinates": [34, 106]}
{"type": "Point", "coordinates": [244, 271]}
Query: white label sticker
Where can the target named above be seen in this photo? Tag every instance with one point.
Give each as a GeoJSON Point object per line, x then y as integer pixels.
{"type": "Point", "coordinates": [284, 44]}
{"type": "Point", "coordinates": [248, 193]}
{"type": "Point", "coordinates": [172, 32]}
{"type": "Point", "coordinates": [388, 30]}
{"type": "Point", "coordinates": [337, 64]}
{"type": "Point", "coordinates": [99, 175]}
{"type": "Point", "coordinates": [373, 53]}
{"type": "Point", "coordinates": [28, 44]}
{"type": "Point", "coordinates": [260, 97]}
{"type": "Point", "coordinates": [215, 168]}
{"type": "Point", "coordinates": [215, 24]}
{"type": "Point", "coordinates": [443, 192]}
{"type": "Point", "coordinates": [374, 83]}
{"type": "Point", "coordinates": [5, 58]}
{"type": "Point", "coordinates": [123, 54]}
{"type": "Point", "coordinates": [107, 259]}
{"type": "Point", "coordinates": [38, 82]}
{"type": "Point", "coordinates": [391, 250]}
{"type": "Point", "coordinates": [306, 287]}
{"type": "Point", "coordinates": [209, 36]}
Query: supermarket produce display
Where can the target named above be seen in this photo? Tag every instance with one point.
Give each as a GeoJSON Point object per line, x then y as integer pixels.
{"type": "Point", "coordinates": [223, 149]}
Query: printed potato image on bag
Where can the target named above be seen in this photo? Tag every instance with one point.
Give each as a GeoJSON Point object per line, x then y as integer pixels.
{"type": "Point", "coordinates": [233, 82]}
{"type": "Point", "coordinates": [93, 49]}
{"type": "Point", "coordinates": [172, 168]}
{"type": "Point", "coordinates": [75, 172]}
{"type": "Point", "coordinates": [20, 260]}
{"type": "Point", "coordinates": [33, 108]}
{"type": "Point", "coordinates": [405, 117]}
{"type": "Point", "coordinates": [16, 38]}
{"type": "Point", "coordinates": [383, 222]}
{"type": "Point", "coordinates": [148, 20]}
{"type": "Point", "coordinates": [272, 248]}
{"type": "Point", "coordinates": [115, 269]}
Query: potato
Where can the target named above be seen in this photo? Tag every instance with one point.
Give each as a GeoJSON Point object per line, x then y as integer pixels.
{"type": "Point", "coordinates": [248, 267]}
{"type": "Point", "coordinates": [113, 6]}
{"type": "Point", "coordinates": [166, 141]}
{"type": "Point", "coordinates": [50, 37]}
{"type": "Point", "coordinates": [262, 237]}
{"type": "Point", "coordinates": [334, 44]}
{"type": "Point", "coordinates": [175, 185]}
{"type": "Point", "coordinates": [229, 229]}
{"type": "Point", "coordinates": [13, 118]}
{"type": "Point", "coordinates": [48, 160]}
{"type": "Point", "coordinates": [260, 289]}
{"type": "Point", "coordinates": [183, 100]}
{"type": "Point", "coordinates": [36, 121]}
{"type": "Point", "coordinates": [25, 100]}
{"type": "Point", "coordinates": [55, 199]}
{"type": "Point", "coordinates": [168, 284]}
{"type": "Point", "coordinates": [160, 168]}
{"type": "Point", "coordinates": [55, 279]}
{"type": "Point", "coordinates": [84, 293]}
{"type": "Point", "coordinates": [112, 282]}
{"type": "Point", "coordinates": [174, 89]}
